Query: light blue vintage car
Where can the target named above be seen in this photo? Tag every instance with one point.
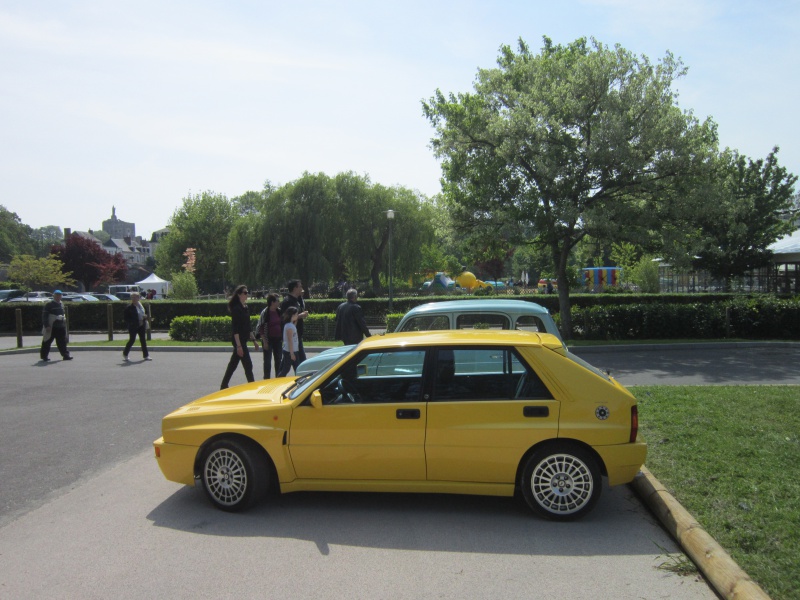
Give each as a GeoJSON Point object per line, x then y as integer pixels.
{"type": "Point", "coordinates": [457, 314]}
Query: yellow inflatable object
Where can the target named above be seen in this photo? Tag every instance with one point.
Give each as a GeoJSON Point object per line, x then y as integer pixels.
{"type": "Point", "coordinates": [467, 280]}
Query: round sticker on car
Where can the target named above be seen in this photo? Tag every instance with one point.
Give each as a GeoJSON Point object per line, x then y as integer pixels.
{"type": "Point", "coordinates": [601, 412]}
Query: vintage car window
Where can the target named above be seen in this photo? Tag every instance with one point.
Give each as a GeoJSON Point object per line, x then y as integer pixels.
{"type": "Point", "coordinates": [377, 377]}
{"type": "Point", "coordinates": [425, 323]}
{"type": "Point", "coordinates": [482, 321]}
{"type": "Point", "coordinates": [484, 374]}
{"type": "Point", "coordinates": [530, 323]}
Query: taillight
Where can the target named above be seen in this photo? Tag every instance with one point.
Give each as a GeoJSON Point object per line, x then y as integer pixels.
{"type": "Point", "coordinates": [634, 423]}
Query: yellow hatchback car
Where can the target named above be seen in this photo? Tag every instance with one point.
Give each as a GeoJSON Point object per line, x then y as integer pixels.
{"type": "Point", "coordinates": [461, 412]}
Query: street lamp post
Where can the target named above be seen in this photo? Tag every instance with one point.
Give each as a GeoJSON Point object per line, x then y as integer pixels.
{"type": "Point", "coordinates": [390, 216]}
{"type": "Point", "coordinates": [223, 263]}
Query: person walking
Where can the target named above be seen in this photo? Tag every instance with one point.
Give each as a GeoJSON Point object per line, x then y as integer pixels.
{"type": "Point", "coordinates": [269, 330]}
{"type": "Point", "coordinates": [137, 321]}
{"type": "Point", "coordinates": [290, 341]}
{"type": "Point", "coordinates": [295, 298]}
{"type": "Point", "coordinates": [54, 327]}
{"type": "Point", "coordinates": [237, 306]}
{"type": "Point", "coordinates": [351, 327]}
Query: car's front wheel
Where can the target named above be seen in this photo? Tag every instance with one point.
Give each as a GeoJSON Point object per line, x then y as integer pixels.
{"type": "Point", "coordinates": [561, 482]}
{"type": "Point", "coordinates": [234, 474]}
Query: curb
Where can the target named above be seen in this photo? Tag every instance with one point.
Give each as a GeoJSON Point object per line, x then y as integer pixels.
{"type": "Point", "coordinates": [151, 349]}
{"type": "Point", "coordinates": [727, 577]}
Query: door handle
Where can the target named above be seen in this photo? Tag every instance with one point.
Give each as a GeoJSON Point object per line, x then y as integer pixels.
{"type": "Point", "coordinates": [407, 413]}
{"type": "Point", "coordinates": [536, 411]}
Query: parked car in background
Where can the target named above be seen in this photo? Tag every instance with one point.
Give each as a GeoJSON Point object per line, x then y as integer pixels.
{"type": "Point", "coordinates": [457, 314]}
{"type": "Point", "coordinates": [6, 295]}
{"type": "Point", "coordinates": [105, 297]}
{"type": "Point", "coordinates": [79, 298]}
{"type": "Point", "coordinates": [462, 412]}
{"type": "Point", "coordinates": [120, 289]}
{"type": "Point", "coordinates": [33, 297]}
{"type": "Point", "coordinates": [123, 295]}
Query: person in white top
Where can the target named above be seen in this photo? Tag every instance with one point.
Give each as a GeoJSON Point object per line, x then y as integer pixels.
{"type": "Point", "coordinates": [291, 341]}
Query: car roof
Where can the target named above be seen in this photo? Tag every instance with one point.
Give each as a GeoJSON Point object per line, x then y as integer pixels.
{"type": "Point", "coordinates": [459, 337]}
{"type": "Point", "coordinates": [474, 306]}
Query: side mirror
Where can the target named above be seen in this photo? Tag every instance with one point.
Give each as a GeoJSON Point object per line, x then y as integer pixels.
{"type": "Point", "coordinates": [316, 399]}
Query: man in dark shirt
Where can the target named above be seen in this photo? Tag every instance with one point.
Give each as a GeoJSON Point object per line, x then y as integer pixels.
{"type": "Point", "coordinates": [295, 298]}
{"type": "Point", "coordinates": [350, 325]}
{"type": "Point", "coordinates": [54, 327]}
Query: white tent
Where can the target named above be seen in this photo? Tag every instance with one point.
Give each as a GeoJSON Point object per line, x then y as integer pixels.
{"type": "Point", "coordinates": [154, 282]}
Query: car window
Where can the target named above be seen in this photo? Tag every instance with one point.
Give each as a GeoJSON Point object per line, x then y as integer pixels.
{"type": "Point", "coordinates": [484, 374]}
{"type": "Point", "coordinates": [482, 321]}
{"type": "Point", "coordinates": [530, 323]}
{"type": "Point", "coordinates": [425, 323]}
{"type": "Point", "coordinates": [377, 377]}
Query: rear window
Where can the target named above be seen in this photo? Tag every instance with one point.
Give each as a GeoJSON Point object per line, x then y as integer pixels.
{"type": "Point", "coordinates": [586, 365]}
{"type": "Point", "coordinates": [482, 321]}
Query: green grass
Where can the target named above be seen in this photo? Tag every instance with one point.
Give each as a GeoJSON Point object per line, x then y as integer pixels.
{"type": "Point", "coordinates": [731, 457]}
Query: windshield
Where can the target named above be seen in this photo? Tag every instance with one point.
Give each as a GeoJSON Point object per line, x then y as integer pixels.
{"type": "Point", "coordinates": [310, 380]}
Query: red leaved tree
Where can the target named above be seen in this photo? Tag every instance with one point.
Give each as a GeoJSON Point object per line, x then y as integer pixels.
{"type": "Point", "coordinates": [89, 263]}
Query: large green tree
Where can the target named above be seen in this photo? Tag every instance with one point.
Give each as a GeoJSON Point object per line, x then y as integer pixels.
{"type": "Point", "coordinates": [43, 238]}
{"type": "Point", "coordinates": [15, 236]}
{"type": "Point", "coordinates": [577, 140]}
{"type": "Point", "coordinates": [749, 205]}
{"type": "Point", "coordinates": [202, 222]}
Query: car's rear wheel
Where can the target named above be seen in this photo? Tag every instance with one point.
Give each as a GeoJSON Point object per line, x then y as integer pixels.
{"type": "Point", "coordinates": [234, 474]}
{"type": "Point", "coordinates": [561, 482]}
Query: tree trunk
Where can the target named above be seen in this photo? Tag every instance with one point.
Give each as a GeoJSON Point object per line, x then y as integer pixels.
{"type": "Point", "coordinates": [564, 305]}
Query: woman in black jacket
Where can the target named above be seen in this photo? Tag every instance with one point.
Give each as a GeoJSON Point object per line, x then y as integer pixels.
{"type": "Point", "coordinates": [237, 306]}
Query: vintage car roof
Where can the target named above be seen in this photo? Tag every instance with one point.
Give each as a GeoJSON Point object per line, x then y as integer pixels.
{"type": "Point", "coordinates": [462, 336]}
{"type": "Point", "coordinates": [488, 305]}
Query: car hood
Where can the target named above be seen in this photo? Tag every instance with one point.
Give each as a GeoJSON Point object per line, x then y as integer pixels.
{"type": "Point", "coordinates": [260, 395]}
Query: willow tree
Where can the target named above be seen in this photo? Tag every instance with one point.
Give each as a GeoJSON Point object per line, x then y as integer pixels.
{"type": "Point", "coordinates": [320, 228]}
{"type": "Point", "coordinates": [577, 140]}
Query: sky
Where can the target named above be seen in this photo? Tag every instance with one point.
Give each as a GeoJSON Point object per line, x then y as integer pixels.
{"type": "Point", "coordinates": [138, 105]}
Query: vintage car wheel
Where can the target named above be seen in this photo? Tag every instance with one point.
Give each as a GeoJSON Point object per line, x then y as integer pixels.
{"type": "Point", "coordinates": [561, 482]}
{"type": "Point", "coordinates": [234, 474]}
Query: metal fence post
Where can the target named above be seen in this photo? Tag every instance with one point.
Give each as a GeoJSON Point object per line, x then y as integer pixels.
{"type": "Point", "coordinates": [110, 316]}
{"type": "Point", "coordinates": [18, 318]}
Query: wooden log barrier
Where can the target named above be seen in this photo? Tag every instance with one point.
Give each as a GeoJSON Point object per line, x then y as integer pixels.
{"type": "Point", "coordinates": [729, 579]}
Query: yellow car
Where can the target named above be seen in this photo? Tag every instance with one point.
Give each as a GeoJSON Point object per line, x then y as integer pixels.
{"type": "Point", "coordinates": [461, 412]}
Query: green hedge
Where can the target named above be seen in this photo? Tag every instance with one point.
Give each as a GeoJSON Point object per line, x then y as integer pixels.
{"type": "Point", "coordinates": [316, 328]}
{"type": "Point", "coordinates": [765, 317]}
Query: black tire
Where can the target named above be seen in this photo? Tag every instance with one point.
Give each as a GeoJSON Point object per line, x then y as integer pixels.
{"type": "Point", "coordinates": [561, 482]}
{"type": "Point", "coordinates": [234, 474]}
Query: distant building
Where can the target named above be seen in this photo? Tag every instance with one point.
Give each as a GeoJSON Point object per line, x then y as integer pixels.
{"type": "Point", "coordinates": [135, 251]}
{"type": "Point", "coordinates": [117, 228]}
{"type": "Point", "coordinates": [123, 240]}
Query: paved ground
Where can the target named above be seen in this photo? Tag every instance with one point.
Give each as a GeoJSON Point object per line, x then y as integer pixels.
{"type": "Point", "coordinates": [85, 512]}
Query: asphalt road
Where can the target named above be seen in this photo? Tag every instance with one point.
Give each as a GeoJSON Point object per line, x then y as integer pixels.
{"type": "Point", "coordinates": [85, 512]}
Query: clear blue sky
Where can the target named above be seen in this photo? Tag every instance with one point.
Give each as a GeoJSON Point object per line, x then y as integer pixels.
{"type": "Point", "coordinates": [138, 104]}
